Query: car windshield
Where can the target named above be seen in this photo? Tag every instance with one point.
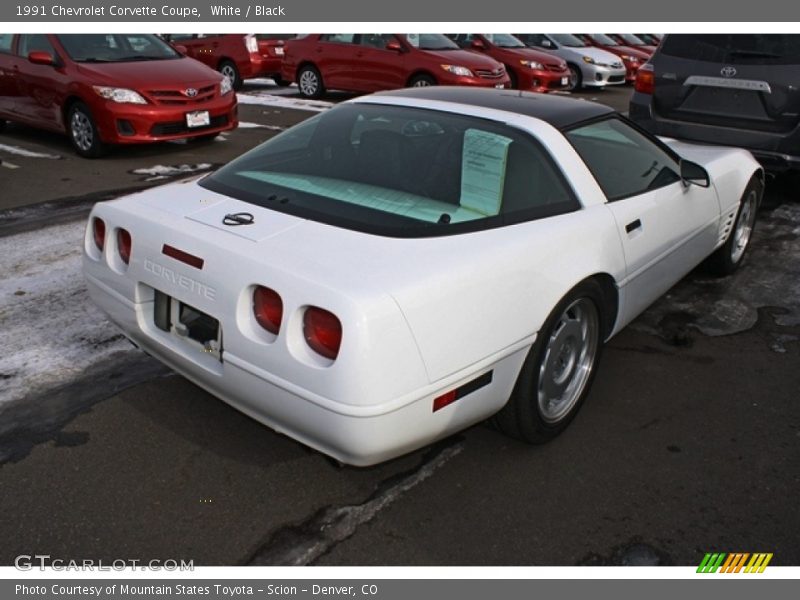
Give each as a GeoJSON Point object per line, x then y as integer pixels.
{"type": "Point", "coordinates": [739, 48]}
{"type": "Point", "coordinates": [503, 40]}
{"type": "Point", "coordinates": [631, 39]}
{"type": "Point", "coordinates": [602, 38]}
{"type": "Point", "coordinates": [400, 172]}
{"type": "Point", "coordinates": [116, 47]}
{"type": "Point", "coordinates": [431, 41]}
{"type": "Point", "coordinates": [569, 40]}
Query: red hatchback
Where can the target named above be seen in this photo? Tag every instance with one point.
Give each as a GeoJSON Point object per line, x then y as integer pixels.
{"type": "Point", "coordinates": [529, 69]}
{"type": "Point", "coordinates": [632, 58]}
{"type": "Point", "coordinates": [369, 62]}
{"type": "Point", "coordinates": [235, 55]}
{"type": "Point", "coordinates": [103, 89]}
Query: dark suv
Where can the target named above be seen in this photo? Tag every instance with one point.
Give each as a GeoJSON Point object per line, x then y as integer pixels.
{"type": "Point", "coordinates": [729, 89]}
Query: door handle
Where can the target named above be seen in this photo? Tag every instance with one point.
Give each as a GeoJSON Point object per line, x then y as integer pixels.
{"type": "Point", "coordinates": [633, 226]}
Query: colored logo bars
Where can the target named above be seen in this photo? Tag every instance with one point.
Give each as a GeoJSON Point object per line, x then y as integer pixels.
{"type": "Point", "coordinates": [733, 563]}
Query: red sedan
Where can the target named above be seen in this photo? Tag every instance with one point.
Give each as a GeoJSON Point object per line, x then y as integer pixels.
{"type": "Point", "coordinates": [369, 62]}
{"type": "Point", "coordinates": [529, 69]}
{"type": "Point", "coordinates": [632, 58]}
{"type": "Point", "coordinates": [235, 55]}
{"type": "Point", "coordinates": [103, 89]}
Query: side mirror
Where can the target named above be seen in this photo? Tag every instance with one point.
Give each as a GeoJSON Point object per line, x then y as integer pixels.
{"type": "Point", "coordinates": [182, 50]}
{"type": "Point", "coordinates": [694, 174]}
{"type": "Point", "coordinates": [395, 46]}
{"type": "Point", "coordinates": [547, 44]}
{"type": "Point", "coordinates": [39, 57]}
{"type": "Point", "coordinates": [478, 45]}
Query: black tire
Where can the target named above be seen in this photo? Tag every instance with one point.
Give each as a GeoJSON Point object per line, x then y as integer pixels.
{"type": "Point", "coordinates": [309, 82]}
{"type": "Point", "coordinates": [421, 80]}
{"type": "Point", "coordinates": [513, 77]}
{"type": "Point", "coordinates": [229, 69]}
{"type": "Point", "coordinates": [281, 82]}
{"type": "Point", "coordinates": [523, 416]}
{"type": "Point", "coordinates": [728, 257]}
{"type": "Point", "coordinates": [575, 78]}
{"type": "Point", "coordinates": [83, 132]}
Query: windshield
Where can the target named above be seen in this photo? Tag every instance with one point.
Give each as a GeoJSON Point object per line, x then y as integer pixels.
{"type": "Point", "coordinates": [401, 172]}
{"type": "Point", "coordinates": [631, 39]}
{"type": "Point", "coordinates": [431, 41]}
{"type": "Point", "coordinates": [503, 40]}
{"type": "Point", "coordinates": [602, 38]}
{"type": "Point", "coordinates": [739, 48]}
{"type": "Point", "coordinates": [116, 47]}
{"type": "Point", "coordinates": [567, 39]}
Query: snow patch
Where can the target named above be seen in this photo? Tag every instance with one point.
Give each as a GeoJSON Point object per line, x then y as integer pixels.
{"type": "Point", "coordinates": [165, 171]}
{"type": "Point", "coordinates": [27, 153]}
{"type": "Point", "coordinates": [270, 99]}
{"type": "Point", "coordinates": [52, 331]}
{"type": "Point", "coordinates": [248, 125]}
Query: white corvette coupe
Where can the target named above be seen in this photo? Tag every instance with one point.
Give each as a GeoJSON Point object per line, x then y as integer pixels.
{"type": "Point", "coordinates": [412, 262]}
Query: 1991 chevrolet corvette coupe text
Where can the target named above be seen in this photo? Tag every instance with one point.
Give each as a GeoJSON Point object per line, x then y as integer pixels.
{"type": "Point", "coordinates": [412, 262]}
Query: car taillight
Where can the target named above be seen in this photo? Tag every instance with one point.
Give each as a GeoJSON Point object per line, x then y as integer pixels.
{"type": "Point", "coordinates": [124, 245]}
{"type": "Point", "coordinates": [645, 79]}
{"type": "Point", "coordinates": [323, 331]}
{"type": "Point", "coordinates": [99, 230]}
{"type": "Point", "coordinates": [251, 43]}
{"type": "Point", "coordinates": [268, 309]}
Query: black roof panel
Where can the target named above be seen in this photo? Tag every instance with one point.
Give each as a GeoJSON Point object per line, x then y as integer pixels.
{"type": "Point", "coordinates": [560, 111]}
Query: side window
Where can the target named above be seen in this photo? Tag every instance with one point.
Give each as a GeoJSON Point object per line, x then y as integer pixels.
{"type": "Point", "coordinates": [338, 38]}
{"type": "Point", "coordinates": [376, 40]}
{"type": "Point", "coordinates": [462, 39]}
{"type": "Point", "coordinates": [34, 43]}
{"type": "Point", "coordinates": [623, 161]}
{"type": "Point", "coordinates": [5, 42]}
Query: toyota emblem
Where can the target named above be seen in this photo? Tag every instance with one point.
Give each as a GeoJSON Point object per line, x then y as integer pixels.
{"type": "Point", "coordinates": [190, 92]}
{"type": "Point", "coordinates": [728, 71]}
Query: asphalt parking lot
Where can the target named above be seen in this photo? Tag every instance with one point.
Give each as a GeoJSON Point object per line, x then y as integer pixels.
{"type": "Point", "coordinates": [688, 443]}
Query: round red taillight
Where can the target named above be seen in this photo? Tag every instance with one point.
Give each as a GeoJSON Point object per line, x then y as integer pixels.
{"type": "Point", "coordinates": [323, 331]}
{"type": "Point", "coordinates": [99, 230]}
{"type": "Point", "coordinates": [124, 245]}
{"type": "Point", "coordinates": [268, 309]}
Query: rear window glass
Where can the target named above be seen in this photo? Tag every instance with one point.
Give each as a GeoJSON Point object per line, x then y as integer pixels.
{"type": "Point", "coordinates": [401, 172]}
{"type": "Point", "coordinates": [735, 48]}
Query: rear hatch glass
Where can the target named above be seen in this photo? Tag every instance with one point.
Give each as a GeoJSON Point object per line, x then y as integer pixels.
{"type": "Point", "coordinates": [732, 80]}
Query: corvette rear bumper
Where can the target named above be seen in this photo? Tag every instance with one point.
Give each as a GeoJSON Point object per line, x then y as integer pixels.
{"type": "Point", "coordinates": [360, 435]}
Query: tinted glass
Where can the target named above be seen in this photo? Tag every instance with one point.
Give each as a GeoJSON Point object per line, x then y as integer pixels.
{"type": "Point", "coordinates": [739, 48]}
{"type": "Point", "coordinates": [603, 39]}
{"type": "Point", "coordinates": [5, 42]}
{"type": "Point", "coordinates": [339, 38]}
{"type": "Point", "coordinates": [567, 39]}
{"type": "Point", "coordinates": [623, 161]}
{"type": "Point", "coordinates": [117, 47]}
{"type": "Point", "coordinates": [430, 41]}
{"type": "Point", "coordinates": [401, 172]}
{"type": "Point", "coordinates": [36, 42]}
{"type": "Point", "coordinates": [503, 40]}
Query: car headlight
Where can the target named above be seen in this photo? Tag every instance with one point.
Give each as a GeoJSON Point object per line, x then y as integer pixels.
{"type": "Point", "coordinates": [225, 86]}
{"type": "Point", "coordinates": [629, 58]}
{"type": "Point", "coordinates": [532, 64]}
{"type": "Point", "coordinates": [589, 59]}
{"type": "Point", "coordinates": [457, 70]}
{"type": "Point", "coordinates": [121, 95]}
